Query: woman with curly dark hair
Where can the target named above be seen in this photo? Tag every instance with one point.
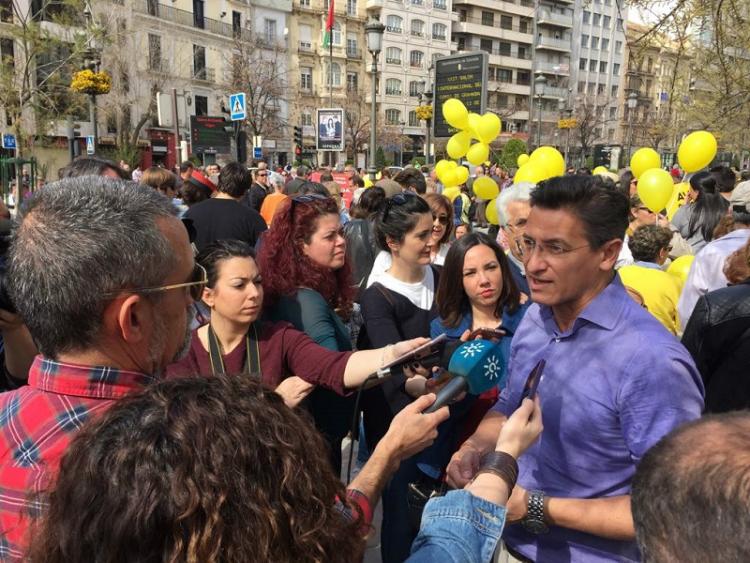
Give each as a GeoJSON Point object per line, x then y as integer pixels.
{"type": "Point", "coordinates": [308, 282]}
{"type": "Point", "coordinates": [198, 469]}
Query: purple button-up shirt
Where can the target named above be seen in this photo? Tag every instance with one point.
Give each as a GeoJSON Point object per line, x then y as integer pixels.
{"type": "Point", "coordinates": [613, 385]}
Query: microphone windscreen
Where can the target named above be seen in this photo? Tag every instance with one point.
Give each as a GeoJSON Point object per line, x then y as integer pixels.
{"type": "Point", "coordinates": [481, 362]}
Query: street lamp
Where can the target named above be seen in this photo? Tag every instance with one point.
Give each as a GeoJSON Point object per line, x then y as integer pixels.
{"type": "Point", "coordinates": [374, 30]}
{"type": "Point", "coordinates": [539, 83]}
{"type": "Point", "coordinates": [632, 104]}
{"type": "Point", "coordinates": [427, 95]}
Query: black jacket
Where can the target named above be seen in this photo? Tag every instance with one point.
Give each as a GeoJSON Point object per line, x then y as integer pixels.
{"type": "Point", "coordinates": [361, 250]}
{"type": "Point", "coordinates": [718, 338]}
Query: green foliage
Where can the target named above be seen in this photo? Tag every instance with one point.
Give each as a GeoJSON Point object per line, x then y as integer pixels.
{"type": "Point", "coordinates": [511, 151]}
{"type": "Point", "coordinates": [418, 160]}
{"type": "Point", "coordinates": [380, 160]}
{"type": "Point", "coordinates": [127, 153]}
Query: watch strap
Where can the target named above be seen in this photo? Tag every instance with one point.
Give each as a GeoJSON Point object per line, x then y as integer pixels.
{"type": "Point", "coordinates": [535, 506]}
{"type": "Point", "coordinates": [501, 464]}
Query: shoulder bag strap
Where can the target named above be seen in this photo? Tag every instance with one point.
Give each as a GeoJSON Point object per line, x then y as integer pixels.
{"type": "Point", "coordinates": [252, 351]}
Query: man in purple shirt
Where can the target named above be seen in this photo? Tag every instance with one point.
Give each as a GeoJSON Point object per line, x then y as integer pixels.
{"type": "Point", "coordinates": [615, 382]}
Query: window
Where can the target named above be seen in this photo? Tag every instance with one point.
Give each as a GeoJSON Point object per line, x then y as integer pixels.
{"type": "Point", "coordinates": [305, 37]}
{"type": "Point", "coordinates": [154, 52]}
{"type": "Point", "coordinates": [605, 44]}
{"type": "Point", "coordinates": [618, 47]}
{"type": "Point", "coordinates": [351, 45]}
{"type": "Point", "coordinates": [333, 76]}
{"type": "Point", "coordinates": [596, 20]}
{"type": "Point", "coordinates": [416, 58]}
{"type": "Point", "coordinates": [269, 31]}
{"type": "Point", "coordinates": [417, 28]}
{"type": "Point", "coordinates": [506, 22]}
{"type": "Point", "coordinates": [417, 2]}
{"type": "Point", "coordinates": [504, 75]}
{"type": "Point", "coordinates": [413, 121]}
{"type": "Point", "coordinates": [488, 18]}
{"type": "Point", "coordinates": [613, 113]}
{"type": "Point", "coordinates": [616, 69]}
{"type": "Point", "coordinates": [393, 117]}
{"type": "Point", "coordinates": [336, 34]}
{"type": "Point", "coordinates": [523, 52]}
{"type": "Point", "coordinates": [523, 77]}
{"type": "Point", "coordinates": [619, 24]}
{"type": "Point", "coordinates": [606, 21]}
{"type": "Point", "coordinates": [586, 16]}
{"type": "Point", "coordinates": [584, 41]}
{"type": "Point", "coordinates": [525, 25]}
{"type": "Point", "coordinates": [198, 14]}
{"type": "Point", "coordinates": [352, 81]}
{"type": "Point", "coordinates": [611, 134]}
{"type": "Point", "coordinates": [351, 7]}
{"type": "Point", "coordinates": [307, 119]}
{"type": "Point", "coordinates": [440, 4]}
{"type": "Point", "coordinates": [236, 24]}
{"type": "Point", "coordinates": [614, 91]}
{"type": "Point", "coordinates": [582, 64]}
{"type": "Point", "coordinates": [393, 87]}
{"type": "Point", "coordinates": [305, 78]}
{"type": "Point", "coordinates": [415, 88]}
{"type": "Point", "coordinates": [592, 65]}
{"type": "Point", "coordinates": [502, 101]}
{"type": "Point", "coordinates": [393, 23]}
{"type": "Point", "coordinates": [439, 31]}
{"type": "Point", "coordinates": [594, 42]}
{"type": "Point", "coordinates": [581, 86]}
{"type": "Point", "coordinates": [504, 48]}
{"type": "Point", "coordinates": [590, 88]}
{"type": "Point", "coordinates": [603, 66]}
{"type": "Point", "coordinates": [393, 55]}
{"type": "Point", "coordinates": [201, 105]}
{"type": "Point", "coordinates": [304, 3]}
{"type": "Point", "coordinates": [199, 62]}
{"type": "Point", "coordinates": [600, 89]}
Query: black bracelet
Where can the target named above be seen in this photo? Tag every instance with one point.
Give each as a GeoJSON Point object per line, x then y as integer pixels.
{"type": "Point", "coordinates": [501, 464]}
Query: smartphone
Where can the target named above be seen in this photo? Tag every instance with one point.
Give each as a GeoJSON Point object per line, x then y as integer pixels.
{"type": "Point", "coordinates": [493, 334]}
{"type": "Point", "coordinates": [433, 348]}
{"type": "Point", "coordinates": [532, 382]}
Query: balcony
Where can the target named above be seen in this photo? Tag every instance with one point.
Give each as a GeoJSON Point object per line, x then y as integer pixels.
{"type": "Point", "coordinates": [206, 74]}
{"type": "Point", "coordinates": [561, 69]}
{"type": "Point", "coordinates": [416, 33]}
{"type": "Point", "coordinates": [553, 44]}
{"type": "Point", "coordinates": [353, 53]}
{"type": "Point", "coordinates": [480, 26]}
{"type": "Point", "coordinates": [393, 61]}
{"type": "Point", "coordinates": [394, 29]}
{"type": "Point", "coordinates": [555, 92]}
{"type": "Point", "coordinates": [306, 47]}
{"type": "Point", "coordinates": [507, 6]}
{"type": "Point", "coordinates": [553, 18]}
{"type": "Point", "coordinates": [185, 18]}
{"type": "Point", "coordinates": [439, 37]}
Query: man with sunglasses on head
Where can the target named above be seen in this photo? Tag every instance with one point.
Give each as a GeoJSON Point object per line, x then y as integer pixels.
{"type": "Point", "coordinates": [102, 272]}
{"type": "Point", "coordinates": [615, 382]}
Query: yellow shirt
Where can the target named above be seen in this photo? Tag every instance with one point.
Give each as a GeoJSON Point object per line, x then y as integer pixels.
{"type": "Point", "coordinates": [660, 291]}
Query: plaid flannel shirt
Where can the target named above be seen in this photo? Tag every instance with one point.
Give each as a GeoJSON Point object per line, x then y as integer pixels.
{"type": "Point", "coordinates": [37, 422]}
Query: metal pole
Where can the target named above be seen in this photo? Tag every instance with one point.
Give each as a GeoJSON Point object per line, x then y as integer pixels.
{"type": "Point", "coordinates": [93, 117]}
{"type": "Point", "coordinates": [539, 123]}
{"type": "Point", "coordinates": [373, 117]}
{"type": "Point", "coordinates": [176, 125]}
{"type": "Point", "coordinates": [630, 132]}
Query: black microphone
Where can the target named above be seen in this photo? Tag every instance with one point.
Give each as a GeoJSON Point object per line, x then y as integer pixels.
{"type": "Point", "coordinates": [437, 352]}
{"type": "Point", "coordinates": [477, 366]}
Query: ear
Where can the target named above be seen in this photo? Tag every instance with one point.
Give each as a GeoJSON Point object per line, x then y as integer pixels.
{"type": "Point", "coordinates": [393, 244]}
{"type": "Point", "coordinates": [129, 319]}
{"type": "Point", "coordinates": [610, 252]}
{"type": "Point", "coordinates": [208, 296]}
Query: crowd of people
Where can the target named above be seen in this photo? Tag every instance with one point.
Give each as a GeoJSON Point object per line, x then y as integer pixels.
{"type": "Point", "coordinates": [186, 356]}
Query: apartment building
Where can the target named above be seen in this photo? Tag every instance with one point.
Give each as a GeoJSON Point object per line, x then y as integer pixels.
{"type": "Point", "coordinates": [504, 30]}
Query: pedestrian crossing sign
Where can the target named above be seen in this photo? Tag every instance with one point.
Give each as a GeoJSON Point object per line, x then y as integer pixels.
{"type": "Point", "coordinates": [237, 108]}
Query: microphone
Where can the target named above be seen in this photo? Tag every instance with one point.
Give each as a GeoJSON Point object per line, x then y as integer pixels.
{"type": "Point", "coordinates": [437, 352]}
{"type": "Point", "coordinates": [477, 366]}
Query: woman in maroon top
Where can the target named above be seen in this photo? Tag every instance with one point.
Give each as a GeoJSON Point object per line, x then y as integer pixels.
{"type": "Point", "coordinates": [288, 359]}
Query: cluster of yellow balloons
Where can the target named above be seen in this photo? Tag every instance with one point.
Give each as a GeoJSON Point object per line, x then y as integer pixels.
{"type": "Point", "coordinates": [484, 128]}
{"type": "Point", "coordinates": [543, 163]}
{"type": "Point", "coordinates": [655, 186]}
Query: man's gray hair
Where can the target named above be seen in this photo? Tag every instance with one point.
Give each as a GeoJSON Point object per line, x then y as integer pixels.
{"type": "Point", "coordinates": [516, 192]}
{"type": "Point", "coordinates": [78, 241]}
{"type": "Point", "coordinates": [302, 171]}
{"type": "Point", "coordinates": [276, 179]}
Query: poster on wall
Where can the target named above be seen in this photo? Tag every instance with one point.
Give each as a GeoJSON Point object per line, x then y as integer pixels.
{"type": "Point", "coordinates": [330, 135]}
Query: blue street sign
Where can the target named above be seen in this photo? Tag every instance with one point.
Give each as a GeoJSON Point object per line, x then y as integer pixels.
{"type": "Point", "coordinates": [237, 107]}
{"type": "Point", "coordinates": [257, 152]}
{"type": "Point", "coordinates": [90, 144]}
{"type": "Point", "coordinates": [9, 141]}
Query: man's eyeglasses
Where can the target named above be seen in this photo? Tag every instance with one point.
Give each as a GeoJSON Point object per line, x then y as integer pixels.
{"type": "Point", "coordinates": [198, 280]}
{"type": "Point", "coordinates": [398, 199]}
{"type": "Point", "coordinates": [527, 246]}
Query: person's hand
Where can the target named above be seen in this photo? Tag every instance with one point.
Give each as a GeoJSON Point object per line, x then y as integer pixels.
{"type": "Point", "coordinates": [522, 429]}
{"type": "Point", "coordinates": [518, 505]}
{"type": "Point", "coordinates": [411, 431]}
{"type": "Point", "coordinates": [10, 321]}
{"type": "Point", "coordinates": [463, 466]}
{"type": "Point", "coordinates": [416, 386]}
{"type": "Point", "coordinates": [293, 390]}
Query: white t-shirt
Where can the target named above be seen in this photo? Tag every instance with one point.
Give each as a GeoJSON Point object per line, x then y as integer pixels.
{"type": "Point", "coordinates": [421, 294]}
{"type": "Point", "coordinates": [441, 254]}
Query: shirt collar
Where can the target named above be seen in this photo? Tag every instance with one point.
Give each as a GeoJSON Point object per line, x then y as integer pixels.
{"type": "Point", "coordinates": [98, 382]}
{"type": "Point", "coordinates": [652, 265]}
{"type": "Point", "coordinates": [517, 262]}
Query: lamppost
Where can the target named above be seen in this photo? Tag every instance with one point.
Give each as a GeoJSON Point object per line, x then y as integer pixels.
{"type": "Point", "coordinates": [567, 112]}
{"type": "Point", "coordinates": [539, 82]}
{"type": "Point", "coordinates": [374, 30]}
{"type": "Point", "coordinates": [92, 60]}
{"type": "Point", "coordinates": [632, 104]}
{"type": "Point", "coordinates": [428, 101]}
{"type": "Point", "coordinates": [401, 144]}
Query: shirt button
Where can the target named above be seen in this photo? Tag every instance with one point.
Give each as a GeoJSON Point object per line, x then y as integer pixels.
{"type": "Point", "coordinates": [557, 340]}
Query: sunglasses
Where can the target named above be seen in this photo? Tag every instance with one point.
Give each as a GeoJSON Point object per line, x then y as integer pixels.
{"type": "Point", "coordinates": [442, 219]}
{"type": "Point", "coordinates": [198, 280]}
{"type": "Point", "coordinates": [263, 174]}
{"type": "Point", "coordinates": [397, 200]}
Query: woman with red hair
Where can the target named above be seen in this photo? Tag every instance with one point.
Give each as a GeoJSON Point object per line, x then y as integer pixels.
{"type": "Point", "coordinates": [308, 282]}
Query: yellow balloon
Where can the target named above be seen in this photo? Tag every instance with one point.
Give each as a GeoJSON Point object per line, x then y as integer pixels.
{"type": "Point", "coordinates": [678, 199]}
{"type": "Point", "coordinates": [600, 170]}
{"type": "Point", "coordinates": [522, 159]}
{"type": "Point", "coordinates": [680, 267]}
{"type": "Point", "coordinates": [551, 159]}
{"type": "Point", "coordinates": [368, 182]}
{"type": "Point", "coordinates": [477, 153]}
{"type": "Point", "coordinates": [458, 144]}
{"type": "Point", "coordinates": [452, 193]}
{"type": "Point", "coordinates": [488, 128]}
{"type": "Point", "coordinates": [474, 121]}
{"type": "Point", "coordinates": [462, 174]}
{"type": "Point", "coordinates": [655, 187]}
{"type": "Point", "coordinates": [697, 151]}
{"type": "Point", "coordinates": [485, 188]}
{"type": "Point", "coordinates": [644, 159]}
{"type": "Point", "coordinates": [531, 172]}
{"type": "Point", "coordinates": [443, 166]}
{"type": "Point", "coordinates": [491, 212]}
{"type": "Point", "coordinates": [455, 113]}
{"type": "Point", "coordinates": [449, 179]}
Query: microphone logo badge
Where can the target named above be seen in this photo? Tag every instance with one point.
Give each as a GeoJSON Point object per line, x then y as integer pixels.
{"type": "Point", "coordinates": [471, 349]}
{"type": "Point", "coordinates": [493, 368]}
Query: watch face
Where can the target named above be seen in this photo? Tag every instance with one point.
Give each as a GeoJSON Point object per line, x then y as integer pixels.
{"type": "Point", "coordinates": [535, 526]}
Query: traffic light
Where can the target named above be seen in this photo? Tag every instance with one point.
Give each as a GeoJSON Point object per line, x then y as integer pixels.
{"type": "Point", "coordinates": [298, 136]}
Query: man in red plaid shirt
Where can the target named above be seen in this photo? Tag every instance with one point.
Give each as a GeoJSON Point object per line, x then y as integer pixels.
{"type": "Point", "coordinates": [102, 272]}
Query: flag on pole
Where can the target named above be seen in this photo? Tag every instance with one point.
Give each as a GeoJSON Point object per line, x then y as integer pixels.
{"type": "Point", "coordinates": [327, 39]}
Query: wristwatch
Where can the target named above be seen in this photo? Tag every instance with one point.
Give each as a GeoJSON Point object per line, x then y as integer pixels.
{"type": "Point", "coordinates": [534, 522]}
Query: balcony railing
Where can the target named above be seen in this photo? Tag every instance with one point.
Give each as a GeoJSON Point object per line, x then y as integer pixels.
{"type": "Point", "coordinates": [555, 92]}
{"type": "Point", "coordinates": [393, 61]}
{"type": "Point", "coordinates": [439, 37]}
{"type": "Point", "coordinates": [551, 42]}
{"type": "Point", "coordinates": [206, 73]}
{"type": "Point", "coordinates": [353, 53]}
{"type": "Point", "coordinates": [554, 68]}
{"type": "Point", "coordinates": [189, 19]}
{"type": "Point", "coordinates": [305, 47]}
{"type": "Point", "coordinates": [547, 17]}
{"type": "Point", "coordinates": [415, 33]}
{"type": "Point", "coordinates": [416, 64]}
{"type": "Point", "coordinates": [394, 29]}
{"type": "Point", "coordinates": [494, 23]}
